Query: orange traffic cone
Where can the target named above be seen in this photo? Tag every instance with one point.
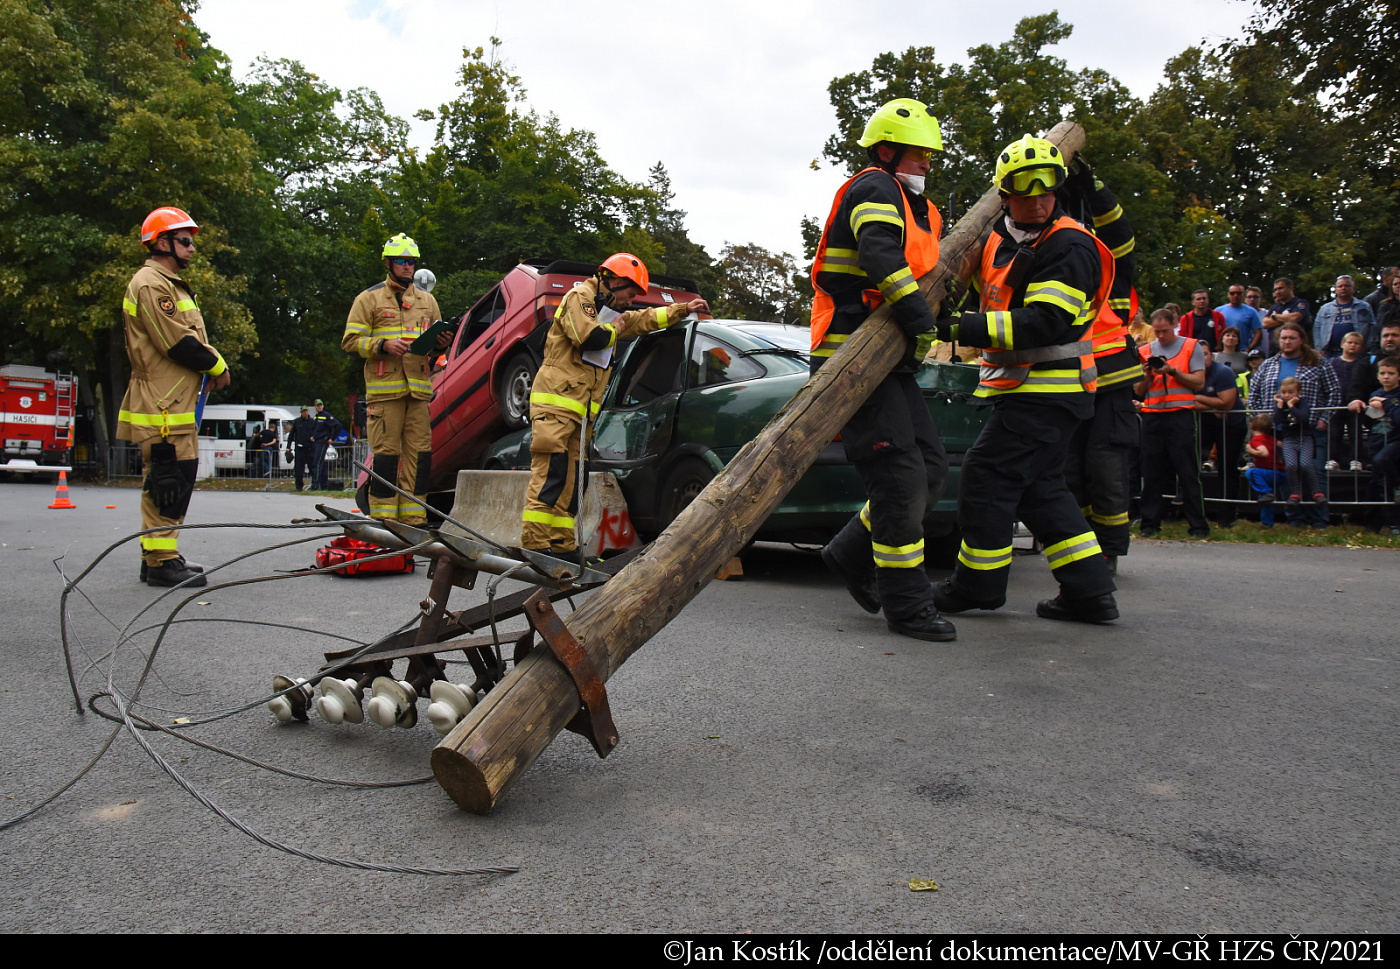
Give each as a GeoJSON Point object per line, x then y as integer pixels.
{"type": "Point", "coordinates": [61, 496]}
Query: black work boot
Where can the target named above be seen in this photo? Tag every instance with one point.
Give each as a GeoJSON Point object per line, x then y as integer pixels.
{"type": "Point", "coordinates": [175, 572]}
{"type": "Point", "coordinates": [192, 566]}
{"type": "Point", "coordinates": [948, 599]}
{"type": "Point", "coordinates": [927, 625]}
{"type": "Point", "coordinates": [1095, 609]}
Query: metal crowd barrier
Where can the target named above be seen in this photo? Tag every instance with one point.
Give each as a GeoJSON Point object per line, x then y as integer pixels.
{"type": "Point", "coordinates": [218, 461]}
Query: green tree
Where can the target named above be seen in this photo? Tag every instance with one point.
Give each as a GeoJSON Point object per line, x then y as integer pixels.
{"type": "Point", "coordinates": [504, 184]}
{"type": "Point", "coordinates": [108, 109]}
{"type": "Point", "coordinates": [756, 284]}
{"type": "Point", "coordinates": [678, 255]}
{"type": "Point", "coordinates": [1001, 93]}
{"type": "Point", "coordinates": [1234, 135]}
{"type": "Point", "coordinates": [301, 238]}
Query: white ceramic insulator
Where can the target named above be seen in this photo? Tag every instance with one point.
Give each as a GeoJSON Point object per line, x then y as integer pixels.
{"type": "Point", "coordinates": [330, 709]}
{"type": "Point", "coordinates": [443, 716]}
{"type": "Point", "coordinates": [382, 710]}
{"type": "Point", "coordinates": [281, 708]}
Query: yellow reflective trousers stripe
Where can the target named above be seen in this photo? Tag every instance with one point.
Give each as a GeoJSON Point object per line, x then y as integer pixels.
{"type": "Point", "coordinates": [899, 556]}
{"type": "Point", "coordinates": [984, 559]}
{"type": "Point", "coordinates": [545, 518]}
{"type": "Point", "coordinates": [1072, 550]}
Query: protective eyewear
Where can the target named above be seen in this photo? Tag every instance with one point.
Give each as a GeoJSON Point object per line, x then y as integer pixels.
{"type": "Point", "coordinates": [187, 242]}
{"type": "Point", "coordinates": [1033, 181]}
{"type": "Point", "coordinates": [404, 262]}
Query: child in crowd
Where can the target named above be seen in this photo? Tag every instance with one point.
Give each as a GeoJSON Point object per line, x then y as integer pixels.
{"type": "Point", "coordinates": [1293, 429]}
{"type": "Point", "coordinates": [1266, 475]}
{"type": "Point", "coordinates": [1382, 416]}
{"type": "Point", "coordinates": [1254, 358]}
{"type": "Point", "coordinates": [1344, 430]}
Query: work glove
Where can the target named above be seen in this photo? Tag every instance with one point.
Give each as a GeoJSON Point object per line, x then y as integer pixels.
{"type": "Point", "coordinates": [164, 480]}
{"type": "Point", "coordinates": [923, 343]}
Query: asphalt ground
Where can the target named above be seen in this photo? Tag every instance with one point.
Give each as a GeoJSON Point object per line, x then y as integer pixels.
{"type": "Point", "coordinates": [1223, 759]}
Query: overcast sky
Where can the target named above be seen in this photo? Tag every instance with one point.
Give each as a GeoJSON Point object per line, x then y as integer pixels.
{"type": "Point", "coordinates": [729, 94]}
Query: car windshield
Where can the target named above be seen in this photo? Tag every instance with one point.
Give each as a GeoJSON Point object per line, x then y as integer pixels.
{"type": "Point", "coordinates": [781, 335]}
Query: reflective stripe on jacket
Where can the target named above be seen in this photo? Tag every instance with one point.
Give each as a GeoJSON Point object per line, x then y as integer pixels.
{"type": "Point", "coordinates": [377, 315]}
{"type": "Point", "coordinates": [920, 257]}
{"type": "Point", "coordinates": [162, 322]}
{"type": "Point", "coordinates": [567, 385]}
{"type": "Point", "coordinates": [1164, 391]}
{"type": "Point", "coordinates": [1007, 368]}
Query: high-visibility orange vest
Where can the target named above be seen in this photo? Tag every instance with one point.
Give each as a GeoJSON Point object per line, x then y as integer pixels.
{"type": "Point", "coordinates": [920, 252]}
{"type": "Point", "coordinates": [1164, 392]}
{"type": "Point", "coordinates": [1009, 371]}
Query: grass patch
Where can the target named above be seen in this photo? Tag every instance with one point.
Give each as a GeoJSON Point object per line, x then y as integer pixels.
{"type": "Point", "coordinates": [1252, 533]}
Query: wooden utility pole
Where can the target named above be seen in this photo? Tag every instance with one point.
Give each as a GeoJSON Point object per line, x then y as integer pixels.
{"type": "Point", "coordinates": [489, 750]}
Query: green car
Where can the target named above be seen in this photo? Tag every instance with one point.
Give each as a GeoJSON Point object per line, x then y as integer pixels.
{"type": "Point", "coordinates": [683, 401]}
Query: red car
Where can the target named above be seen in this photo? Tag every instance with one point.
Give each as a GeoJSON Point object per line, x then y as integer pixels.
{"type": "Point", "coordinates": [483, 388]}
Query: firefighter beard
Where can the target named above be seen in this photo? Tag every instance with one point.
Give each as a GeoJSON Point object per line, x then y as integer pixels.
{"type": "Point", "coordinates": [401, 440]}
{"type": "Point", "coordinates": [551, 503]}
{"type": "Point", "coordinates": [896, 449]}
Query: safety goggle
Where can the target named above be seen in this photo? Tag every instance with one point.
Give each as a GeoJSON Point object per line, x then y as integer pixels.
{"type": "Point", "coordinates": [1033, 181]}
{"type": "Point", "coordinates": [187, 242]}
{"type": "Point", "coordinates": [402, 261]}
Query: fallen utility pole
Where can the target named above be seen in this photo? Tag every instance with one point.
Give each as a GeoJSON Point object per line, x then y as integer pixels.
{"type": "Point", "coordinates": [503, 735]}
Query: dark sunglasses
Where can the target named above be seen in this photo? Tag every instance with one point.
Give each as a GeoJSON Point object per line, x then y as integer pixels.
{"type": "Point", "coordinates": [187, 242]}
{"type": "Point", "coordinates": [405, 262]}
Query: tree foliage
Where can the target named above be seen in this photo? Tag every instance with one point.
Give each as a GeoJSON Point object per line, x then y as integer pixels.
{"type": "Point", "coordinates": [1234, 168]}
{"type": "Point", "coordinates": [108, 110]}
{"type": "Point", "coordinates": [760, 285]}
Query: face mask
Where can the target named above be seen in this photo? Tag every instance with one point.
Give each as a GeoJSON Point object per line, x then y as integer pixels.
{"type": "Point", "coordinates": [914, 183]}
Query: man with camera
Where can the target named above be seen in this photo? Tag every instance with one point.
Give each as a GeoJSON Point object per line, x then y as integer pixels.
{"type": "Point", "coordinates": [1173, 372]}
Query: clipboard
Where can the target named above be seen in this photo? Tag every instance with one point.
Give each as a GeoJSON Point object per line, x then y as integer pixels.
{"type": "Point", "coordinates": [426, 342]}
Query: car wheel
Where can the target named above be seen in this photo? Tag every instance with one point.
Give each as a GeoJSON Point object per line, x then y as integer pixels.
{"type": "Point", "coordinates": [686, 480]}
{"type": "Point", "coordinates": [513, 390]}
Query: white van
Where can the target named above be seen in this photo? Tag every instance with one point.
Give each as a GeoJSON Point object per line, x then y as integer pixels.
{"type": "Point", "coordinates": [224, 432]}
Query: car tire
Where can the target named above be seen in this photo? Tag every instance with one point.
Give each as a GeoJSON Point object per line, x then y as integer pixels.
{"type": "Point", "coordinates": [685, 481]}
{"type": "Point", "coordinates": [513, 390]}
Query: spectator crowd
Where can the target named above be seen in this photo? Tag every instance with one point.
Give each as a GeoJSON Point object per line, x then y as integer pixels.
{"type": "Point", "coordinates": [1263, 405]}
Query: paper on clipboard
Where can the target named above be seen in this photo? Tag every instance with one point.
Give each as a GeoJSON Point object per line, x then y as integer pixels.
{"type": "Point", "coordinates": [601, 358]}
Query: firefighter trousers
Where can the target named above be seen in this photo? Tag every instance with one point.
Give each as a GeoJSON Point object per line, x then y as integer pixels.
{"type": "Point", "coordinates": [1099, 467]}
{"type": "Point", "coordinates": [158, 548]}
{"type": "Point", "coordinates": [551, 500]}
{"type": "Point", "coordinates": [401, 440]}
{"type": "Point", "coordinates": [1016, 472]}
{"type": "Point", "coordinates": [896, 449]}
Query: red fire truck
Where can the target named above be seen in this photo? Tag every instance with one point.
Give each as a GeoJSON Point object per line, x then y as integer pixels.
{"type": "Point", "coordinates": [36, 414]}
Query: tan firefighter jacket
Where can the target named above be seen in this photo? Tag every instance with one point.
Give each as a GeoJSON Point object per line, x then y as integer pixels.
{"type": "Point", "coordinates": [168, 350]}
{"type": "Point", "coordinates": [567, 382]}
{"type": "Point", "coordinates": [378, 314]}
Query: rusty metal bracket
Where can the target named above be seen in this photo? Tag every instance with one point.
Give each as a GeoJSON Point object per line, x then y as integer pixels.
{"type": "Point", "coordinates": [595, 720]}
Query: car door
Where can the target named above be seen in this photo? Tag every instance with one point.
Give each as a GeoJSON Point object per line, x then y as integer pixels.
{"type": "Point", "coordinates": [721, 409]}
{"type": "Point", "coordinates": [637, 422]}
{"type": "Point", "coordinates": [462, 388]}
